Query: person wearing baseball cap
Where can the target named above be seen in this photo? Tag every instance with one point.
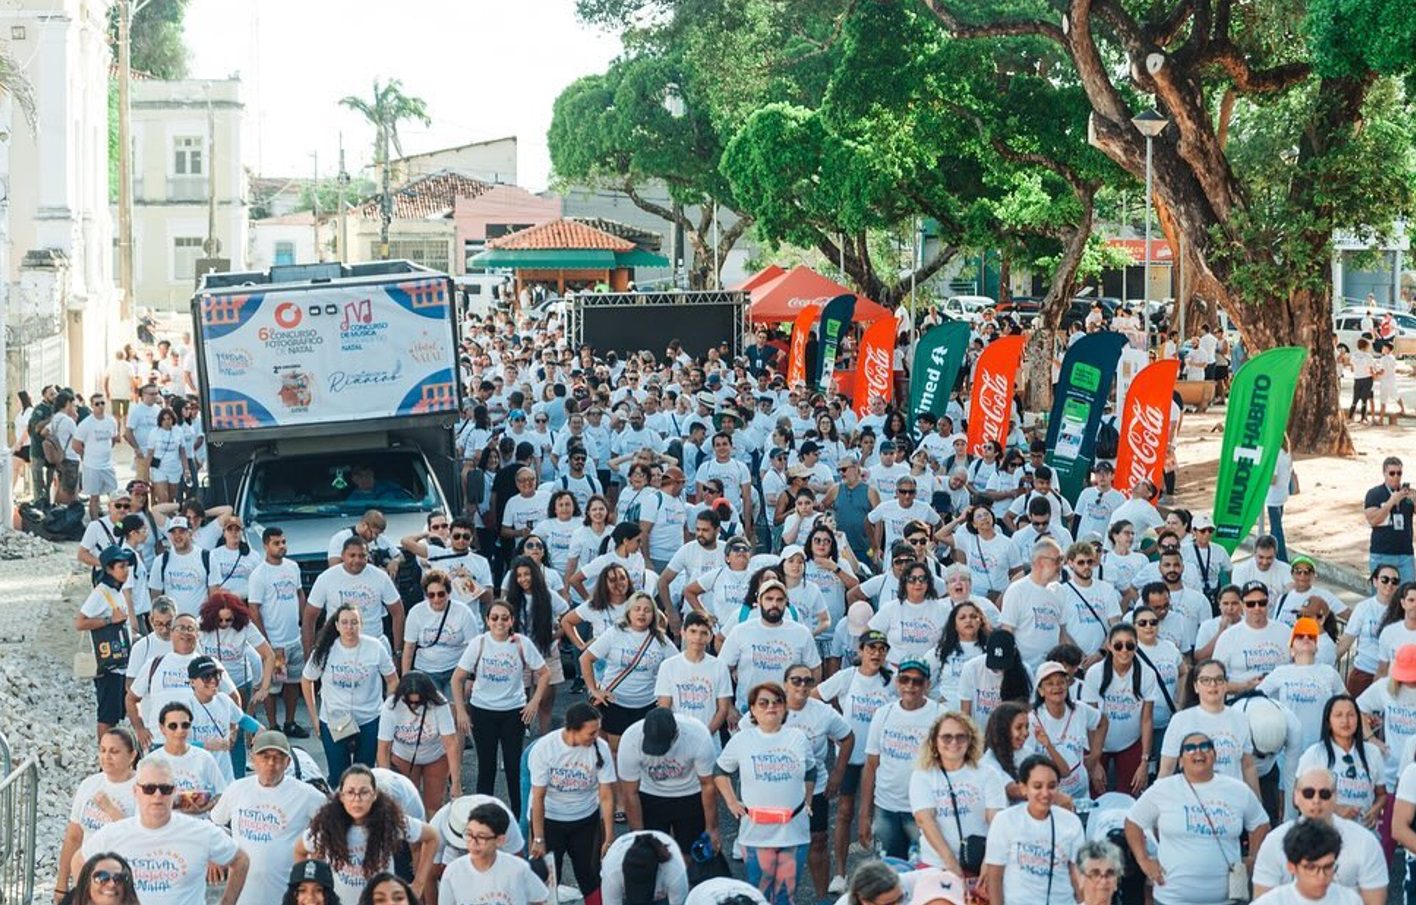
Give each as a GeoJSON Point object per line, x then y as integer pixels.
{"type": "Point", "coordinates": [105, 615]}
{"type": "Point", "coordinates": [1205, 559]}
{"type": "Point", "coordinates": [309, 883]}
{"type": "Point", "coordinates": [270, 843]}
{"type": "Point", "coordinates": [1254, 647]}
{"type": "Point", "coordinates": [1296, 599]}
{"type": "Point", "coordinates": [757, 647]}
{"type": "Point", "coordinates": [668, 533]}
{"type": "Point", "coordinates": [897, 732]}
{"type": "Point", "coordinates": [665, 763]}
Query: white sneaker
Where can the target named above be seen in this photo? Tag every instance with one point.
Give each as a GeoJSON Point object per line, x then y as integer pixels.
{"type": "Point", "coordinates": [838, 885]}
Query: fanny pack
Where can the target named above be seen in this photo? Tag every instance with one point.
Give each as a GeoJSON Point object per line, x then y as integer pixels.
{"type": "Point", "coordinates": [774, 816]}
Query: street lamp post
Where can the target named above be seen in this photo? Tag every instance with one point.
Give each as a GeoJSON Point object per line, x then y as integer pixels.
{"type": "Point", "coordinates": [1150, 124]}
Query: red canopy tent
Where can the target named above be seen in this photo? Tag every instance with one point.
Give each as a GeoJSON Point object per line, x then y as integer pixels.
{"type": "Point", "coordinates": [765, 275]}
{"type": "Point", "coordinates": [783, 298]}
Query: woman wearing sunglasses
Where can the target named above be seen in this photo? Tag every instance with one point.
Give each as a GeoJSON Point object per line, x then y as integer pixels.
{"type": "Point", "coordinates": [538, 609]}
{"type": "Point", "coordinates": [777, 775]}
{"type": "Point", "coordinates": [1198, 816]}
{"type": "Point", "coordinates": [1356, 764]}
{"type": "Point", "coordinates": [106, 879]}
{"type": "Point", "coordinates": [418, 738]}
{"type": "Point", "coordinates": [437, 631]}
{"type": "Point", "coordinates": [1162, 659]}
{"type": "Point", "coordinates": [1364, 627]}
{"type": "Point", "coordinates": [194, 771]}
{"type": "Point", "coordinates": [1125, 691]}
{"type": "Point", "coordinates": [823, 727]}
{"type": "Point", "coordinates": [952, 798]}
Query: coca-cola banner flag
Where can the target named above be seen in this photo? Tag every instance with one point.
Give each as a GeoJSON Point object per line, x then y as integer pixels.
{"type": "Point", "coordinates": [1260, 400]}
{"type": "Point", "coordinates": [937, 358]}
{"type": "Point", "coordinates": [835, 321]}
{"type": "Point", "coordinates": [873, 377]}
{"type": "Point", "coordinates": [1145, 425]}
{"type": "Point", "coordinates": [796, 357]}
{"type": "Point", "coordinates": [1078, 400]}
{"type": "Point", "coordinates": [991, 403]}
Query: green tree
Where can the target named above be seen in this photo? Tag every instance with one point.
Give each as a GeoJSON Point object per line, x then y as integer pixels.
{"type": "Point", "coordinates": [158, 48]}
{"type": "Point", "coordinates": [385, 109]}
{"type": "Point", "coordinates": [645, 121]}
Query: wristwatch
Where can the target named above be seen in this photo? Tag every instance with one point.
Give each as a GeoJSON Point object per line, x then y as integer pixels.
{"type": "Point", "coordinates": [539, 840]}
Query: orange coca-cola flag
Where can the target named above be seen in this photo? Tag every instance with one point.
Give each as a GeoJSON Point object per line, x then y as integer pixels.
{"type": "Point", "coordinates": [801, 332]}
{"type": "Point", "coordinates": [876, 362]}
{"type": "Point", "coordinates": [1145, 425]}
{"type": "Point", "coordinates": [991, 402]}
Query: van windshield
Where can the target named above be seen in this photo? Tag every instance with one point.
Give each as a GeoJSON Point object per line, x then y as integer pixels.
{"type": "Point", "coordinates": [323, 486]}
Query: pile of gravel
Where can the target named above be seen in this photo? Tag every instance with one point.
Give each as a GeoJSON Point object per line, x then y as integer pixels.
{"type": "Point", "coordinates": [20, 545]}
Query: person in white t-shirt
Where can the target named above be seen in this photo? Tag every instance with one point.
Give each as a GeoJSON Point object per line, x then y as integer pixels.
{"type": "Point", "coordinates": [93, 443]}
{"type": "Point", "coordinates": [897, 733]}
{"type": "Point", "coordinates": [1095, 504]}
{"type": "Point", "coordinates": [886, 522]}
{"type": "Point", "coordinates": [356, 673]}
{"type": "Point", "coordinates": [694, 683]}
{"type": "Point", "coordinates": [1310, 850]}
{"type": "Point", "coordinates": [1197, 816]}
{"type": "Point", "coordinates": [1031, 846]}
{"type": "Point", "coordinates": [1264, 566]}
{"type": "Point", "coordinates": [1033, 612]}
{"type": "Point", "coordinates": [277, 600]}
{"type": "Point", "coordinates": [168, 853]}
{"type": "Point", "coordinates": [418, 738]}
{"type": "Point", "coordinates": [644, 867]}
{"type": "Point", "coordinates": [102, 798]}
{"type": "Point", "coordinates": [952, 798]}
{"type": "Point", "coordinates": [1255, 647]}
{"type": "Point", "coordinates": [572, 796]}
{"type": "Point", "coordinates": [666, 764]}
{"type": "Point", "coordinates": [354, 582]}
{"type": "Point", "coordinates": [487, 875]}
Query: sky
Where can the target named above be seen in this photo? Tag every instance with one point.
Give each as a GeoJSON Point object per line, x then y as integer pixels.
{"type": "Point", "coordinates": [486, 68]}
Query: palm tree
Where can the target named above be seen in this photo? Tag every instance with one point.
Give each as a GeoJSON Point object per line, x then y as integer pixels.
{"type": "Point", "coordinates": [387, 108]}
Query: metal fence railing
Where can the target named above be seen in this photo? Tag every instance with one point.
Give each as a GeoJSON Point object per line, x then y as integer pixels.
{"type": "Point", "coordinates": [19, 799]}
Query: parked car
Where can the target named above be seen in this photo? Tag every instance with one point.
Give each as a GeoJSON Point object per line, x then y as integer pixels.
{"type": "Point", "coordinates": [1348, 326]}
{"type": "Point", "coordinates": [967, 308]}
{"type": "Point", "coordinates": [1022, 308]}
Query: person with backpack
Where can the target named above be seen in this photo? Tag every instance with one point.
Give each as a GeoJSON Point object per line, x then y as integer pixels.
{"type": "Point", "coordinates": [183, 572]}
{"type": "Point", "coordinates": [163, 678]}
{"type": "Point", "coordinates": [104, 615]}
{"type": "Point", "coordinates": [41, 470]}
{"type": "Point", "coordinates": [496, 703]}
{"type": "Point", "coordinates": [57, 442]}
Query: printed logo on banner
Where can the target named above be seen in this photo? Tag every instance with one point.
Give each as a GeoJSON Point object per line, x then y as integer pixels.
{"type": "Point", "coordinates": [288, 315]}
{"type": "Point", "coordinates": [358, 327]}
{"type": "Point", "coordinates": [235, 362]}
{"type": "Point", "coordinates": [426, 349]}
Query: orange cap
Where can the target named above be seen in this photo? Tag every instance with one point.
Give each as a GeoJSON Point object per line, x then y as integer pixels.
{"type": "Point", "coordinates": [1306, 626]}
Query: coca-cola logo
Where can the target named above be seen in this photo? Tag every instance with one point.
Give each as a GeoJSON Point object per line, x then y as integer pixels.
{"type": "Point", "coordinates": [1145, 437]}
{"type": "Point", "coordinates": [876, 367]}
{"type": "Point", "coordinates": [799, 302]}
{"type": "Point", "coordinates": [993, 404]}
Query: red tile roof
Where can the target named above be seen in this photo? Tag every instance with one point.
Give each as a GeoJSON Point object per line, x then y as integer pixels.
{"type": "Point", "coordinates": [562, 235]}
{"type": "Point", "coordinates": [429, 197]}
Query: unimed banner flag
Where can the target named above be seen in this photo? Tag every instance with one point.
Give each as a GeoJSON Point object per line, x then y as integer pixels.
{"type": "Point", "coordinates": [876, 362]}
{"type": "Point", "coordinates": [835, 321]}
{"type": "Point", "coordinates": [937, 358]}
{"type": "Point", "coordinates": [1078, 400]}
{"type": "Point", "coordinates": [1145, 425]}
{"type": "Point", "coordinates": [801, 332]}
{"type": "Point", "coordinates": [1260, 400]}
{"type": "Point", "coordinates": [991, 402]}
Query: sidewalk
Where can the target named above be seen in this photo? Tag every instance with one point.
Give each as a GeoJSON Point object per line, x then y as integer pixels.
{"type": "Point", "coordinates": [1325, 519]}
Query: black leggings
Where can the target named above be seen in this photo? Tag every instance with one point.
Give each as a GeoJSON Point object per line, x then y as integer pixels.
{"type": "Point", "coordinates": [1361, 393]}
{"type": "Point", "coordinates": [491, 728]}
{"type": "Point", "coordinates": [581, 840]}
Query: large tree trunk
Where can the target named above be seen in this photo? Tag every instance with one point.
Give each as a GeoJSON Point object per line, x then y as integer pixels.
{"type": "Point", "coordinates": [1037, 354]}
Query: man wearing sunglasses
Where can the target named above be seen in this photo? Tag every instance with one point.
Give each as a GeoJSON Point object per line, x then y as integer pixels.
{"type": "Point", "coordinates": [1254, 647]}
{"type": "Point", "coordinates": [1389, 508]}
{"type": "Point", "coordinates": [168, 852]}
{"type": "Point", "coordinates": [887, 521]}
{"type": "Point", "coordinates": [102, 533]}
{"type": "Point", "coordinates": [93, 443]}
{"type": "Point", "coordinates": [1360, 865]}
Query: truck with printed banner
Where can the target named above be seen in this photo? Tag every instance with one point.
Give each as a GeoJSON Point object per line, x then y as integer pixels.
{"type": "Point", "coordinates": [328, 390]}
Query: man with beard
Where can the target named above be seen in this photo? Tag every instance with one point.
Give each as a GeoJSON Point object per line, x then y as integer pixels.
{"type": "Point", "coordinates": [760, 649]}
{"type": "Point", "coordinates": [1190, 602]}
{"type": "Point", "coordinates": [1090, 606]}
{"type": "Point", "coordinates": [692, 559]}
{"type": "Point", "coordinates": [470, 572]}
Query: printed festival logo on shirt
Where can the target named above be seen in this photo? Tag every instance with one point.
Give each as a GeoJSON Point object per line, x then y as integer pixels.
{"type": "Point", "coordinates": [1036, 858]}
{"type": "Point", "coordinates": [573, 775]}
{"type": "Point", "coordinates": [778, 764]}
{"type": "Point", "coordinates": [770, 655]}
{"type": "Point", "coordinates": [693, 694]}
{"type": "Point", "coordinates": [158, 871]}
{"type": "Point", "coordinates": [666, 769]}
{"type": "Point", "coordinates": [902, 743]}
{"type": "Point", "coordinates": [347, 676]}
{"type": "Point", "coordinates": [499, 667]}
{"type": "Point", "coordinates": [361, 596]}
{"type": "Point", "coordinates": [1265, 658]}
{"type": "Point", "coordinates": [1222, 818]}
{"type": "Point", "coordinates": [260, 823]}
{"type": "Point", "coordinates": [969, 797]}
{"type": "Point", "coordinates": [92, 817]}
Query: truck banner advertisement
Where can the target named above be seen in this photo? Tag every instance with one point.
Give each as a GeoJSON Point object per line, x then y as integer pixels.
{"type": "Point", "coordinates": [345, 352]}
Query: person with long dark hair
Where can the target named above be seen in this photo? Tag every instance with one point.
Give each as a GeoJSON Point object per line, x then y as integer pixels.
{"type": "Point", "coordinates": [572, 796]}
{"type": "Point", "coordinates": [1355, 763]}
{"type": "Point", "coordinates": [1018, 833]}
{"type": "Point", "coordinates": [418, 739]}
{"type": "Point", "coordinates": [538, 614]}
{"type": "Point", "coordinates": [999, 675]}
{"type": "Point", "coordinates": [359, 833]}
{"type": "Point", "coordinates": [961, 641]}
{"type": "Point", "coordinates": [643, 867]}
{"type": "Point", "coordinates": [103, 797]}
{"type": "Point", "coordinates": [389, 889]}
{"type": "Point", "coordinates": [1007, 738]}
{"type": "Point", "coordinates": [1125, 692]}
{"type": "Point", "coordinates": [105, 879]}
{"type": "Point", "coordinates": [361, 676]}
{"type": "Point", "coordinates": [497, 704]}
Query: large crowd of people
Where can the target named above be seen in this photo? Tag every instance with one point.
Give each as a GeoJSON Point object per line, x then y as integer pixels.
{"type": "Point", "coordinates": [785, 632]}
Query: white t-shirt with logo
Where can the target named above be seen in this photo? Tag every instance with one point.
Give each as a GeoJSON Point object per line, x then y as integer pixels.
{"type": "Point", "coordinates": [1305, 690]}
{"type": "Point", "coordinates": [350, 880]}
{"type": "Point", "coordinates": [440, 641]}
{"type": "Point", "coordinates": [1070, 735]}
{"type": "Point", "coordinates": [633, 672]}
{"type": "Point", "coordinates": [1361, 864]}
{"type": "Point", "coordinates": [509, 881]}
{"type": "Point", "coordinates": [895, 736]}
{"type": "Point", "coordinates": [1089, 611]}
{"type": "Point", "coordinates": [181, 576]}
{"type": "Point", "coordinates": [762, 653]}
{"type": "Point", "coordinates": [88, 815]}
{"type": "Point", "coordinates": [1035, 615]}
{"type": "Point", "coordinates": [353, 679]}
{"type": "Point", "coordinates": [1023, 846]}
{"type": "Point", "coordinates": [1398, 713]}
{"type": "Point", "coordinates": [694, 689]}
{"type": "Point", "coordinates": [1247, 652]}
{"type": "Point", "coordinates": [989, 560]}
{"type": "Point", "coordinates": [822, 725]}
{"type": "Point", "coordinates": [168, 862]}
{"type": "Point", "coordinates": [371, 591]}
{"type": "Point", "coordinates": [276, 590]}
{"type": "Point", "coordinates": [97, 436]}
{"type": "Point", "coordinates": [958, 799]}
{"type": "Point", "coordinates": [913, 629]}
{"type": "Point", "coordinates": [858, 696]}
{"type": "Point", "coordinates": [571, 775]}
{"type": "Point", "coordinates": [162, 679]}
{"type": "Point", "coordinates": [1120, 704]}
{"type": "Point", "coordinates": [1228, 729]}
{"type": "Point", "coordinates": [674, 774]}
{"type": "Point", "coordinates": [1356, 784]}
{"type": "Point", "coordinates": [771, 768]}
{"type": "Point", "coordinates": [424, 728]}
{"type": "Point", "coordinates": [266, 821]}
{"type": "Point", "coordinates": [496, 669]}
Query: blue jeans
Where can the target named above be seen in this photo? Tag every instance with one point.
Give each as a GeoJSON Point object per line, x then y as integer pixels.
{"type": "Point", "coordinates": [1275, 517]}
{"type": "Point", "coordinates": [362, 749]}
{"type": "Point", "coordinates": [894, 832]}
{"type": "Point", "coordinates": [1402, 562]}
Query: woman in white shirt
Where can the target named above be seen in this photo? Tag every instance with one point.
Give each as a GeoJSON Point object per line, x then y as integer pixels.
{"type": "Point", "coordinates": [572, 796]}
{"type": "Point", "coordinates": [358, 674]}
{"type": "Point", "coordinates": [1164, 661]}
{"type": "Point", "coordinates": [952, 798]}
{"type": "Point", "coordinates": [1226, 728]}
{"type": "Point", "coordinates": [961, 641]}
{"type": "Point", "coordinates": [538, 614]}
{"type": "Point", "coordinates": [1119, 565]}
{"type": "Point", "coordinates": [777, 777]}
{"type": "Point", "coordinates": [1031, 845]}
{"type": "Point", "coordinates": [20, 451]}
{"type": "Point", "coordinates": [418, 739]}
{"type": "Point", "coordinates": [988, 554]}
{"type": "Point", "coordinates": [1069, 732]}
{"type": "Point", "coordinates": [1362, 366]}
{"type": "Point", "coordinates": [1125, 692]}
{"type": "Point", "coordinates": [497, 706]}
{"type": "Point", "coordinates": [590, 536]}
{"type": "Point", "coordinates": [1363, 628]}
{"type": "Point", "coordinates": [1398, 626]}
{"type": "Point", "coordinates": [558, 529]}
{"type": "Point", "coordinates": [437, 631]}
{"type": "Point", "coordinates": [1355, 763]}
{"type": "Point", "coordinates": [104, 797]}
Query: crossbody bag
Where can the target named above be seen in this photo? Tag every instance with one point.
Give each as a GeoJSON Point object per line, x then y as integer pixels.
{"type": "Point", "coordinates": [1237, 875]}
{"type": "Point", "coordinates": [447, 608]}
{"type": "Point", "coordinates": [971, 848]}
{"type": "Point", "coordinates": [629, 668]}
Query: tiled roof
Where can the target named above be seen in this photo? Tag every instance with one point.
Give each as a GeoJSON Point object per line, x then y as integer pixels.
{"type": "Point", "coordinates": [298, 218]}
{"type": "Point", "coordinates": [641, 237]}
{"type": "Point", "coordinates": [562, 235]}
{"type": "Point", "coordinates": [429, 197]}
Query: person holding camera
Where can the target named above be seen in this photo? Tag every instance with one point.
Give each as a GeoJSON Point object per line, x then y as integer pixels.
{"type": "Point", "coordinates": [1389, 508]}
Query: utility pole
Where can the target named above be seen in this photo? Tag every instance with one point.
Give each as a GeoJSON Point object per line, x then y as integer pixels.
{"type": "Point", "coordinates": [212, 246]}
{"type": "Point", "coordinates": [343, 182]}
{"type": "Point", "coordinates": [126, 11]}
{"type": "Point", "coordinates": [315, 197]}
{"type": "Point", "coordinates": [385, 202]}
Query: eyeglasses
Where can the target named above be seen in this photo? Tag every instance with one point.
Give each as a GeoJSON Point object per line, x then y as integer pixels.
{"type": "Point", "coordinates": [918, 541]}
{"type": "Point", "coordinates": [767, 702]}
{"type": "Point", "coordinates": [413, 701]}
{"type": "Point", "coordinates": [435, 595]}
{"type": "Point", "coordinates": [1351, 771]}
{"type": "Point", "coordinates": [1119, 646]}
{"type": "Point", "coordinates": [176, 726]}
{"type": "Point", "coordinates": [357, 794]}
{"type": "Point", "coordinates": [1325, 869]}
{"type": "Point", "coordinates": [910, 680]}
{"type": "Point", "coordinates": [98, 402]}
{"type": "Point", "coordinates": [953, 738]}
{"type": "Point", "coordinates": [904, 491]}
{"type": "Point", "coordinates": [917, 579]}
{"type": "Point", "coordinates": [1323, 794]}
{"type": "Point", "coordinates": [99, 877]}
{"type": "Point", "coordinates": [897, 561]}
{"type": "Point", "coordinates": [802, 680]}
{"type": "Point", "coordinates": [1394, 474]}
{"type": "Point", "coordinates": [1146, 623]}
{"type": "Point", "coordinates": [461, 535]}
{"type": "Point", "coordinates": [1251, 604]}
{"type": "Point", "coordinates": [1108, 873]}
{"type": "Point", "coordinates": [185, 629]}
{"type": "Point", "coordinates": [482, 838]}
{"type": "Point", "coordinates": [156, 788]}
{"type": "Point", "coordinates": [1204, 747]}
{"type": "Point", "coordinates": [438, 526]}
{"type": "Point", "coordinates": [533, 545]}
{"type": "Point", "coordinates": [227, 621]}
{"type": "Point", "coordinates": [1210, 680]}
{"type": "Point", "coordinates": [121, 507]}
{"type": "Point", "coordinates": [159, 625]}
